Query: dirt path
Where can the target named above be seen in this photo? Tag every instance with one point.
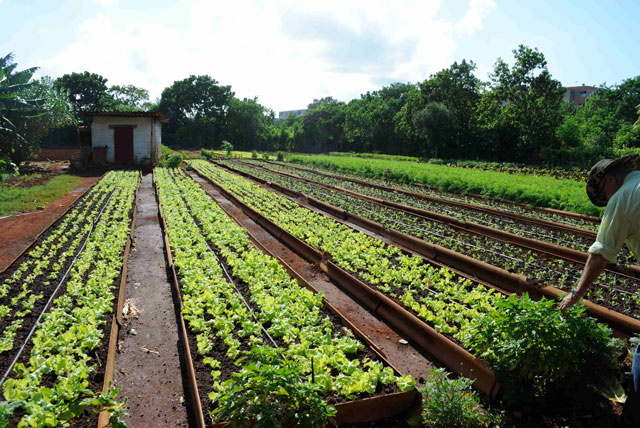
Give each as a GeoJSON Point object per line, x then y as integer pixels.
{"type": "Point", "coordinates": [19, 231]}
{"type": "Point", "coordinates": [147, 368]}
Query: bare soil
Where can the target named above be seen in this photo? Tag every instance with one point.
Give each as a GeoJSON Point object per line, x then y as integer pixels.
{"type": "Point", "coordinates": [148, 367]}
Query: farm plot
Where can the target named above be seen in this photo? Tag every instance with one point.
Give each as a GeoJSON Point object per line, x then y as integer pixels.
{"type": "Point", "coordinates": [436, 295]}
{"type": "Point", "coordinates": [614, 291]}
{"type": "Point", "coordinates": [56, 311]}
{"type": "Point", "coordinates": [317, 171]}
{"type": "Point", "coordinates": [245, 312]}
{"type": "Point", "coordinates": [565, 238]}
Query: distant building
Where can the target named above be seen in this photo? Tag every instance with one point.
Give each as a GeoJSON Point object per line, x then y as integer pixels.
{"type": "Point", "coordinates": [297, 113]}
{"type": "Point", "coordinates": [578, 94]}
{"type": "Point", "coordinates": [122, 137]}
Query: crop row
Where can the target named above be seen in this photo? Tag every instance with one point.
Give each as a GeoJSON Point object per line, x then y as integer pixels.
{"type": "Point", "coordinates": [451, 194]}
{"type": "Point", "coordinates": [614, 291]}
{"type": "Point", "coordinates": [528, 230]}
{"type": "Point", "coordinates": [549, 192]}
{"type": "Point", "coordinates": [258, 303]}
{"type": "Point", "coordinates": [437, 295]}
{"type": "Point", "coordinates": [27, 287]}
{"type": "Point", "coordinates": [55, 379]}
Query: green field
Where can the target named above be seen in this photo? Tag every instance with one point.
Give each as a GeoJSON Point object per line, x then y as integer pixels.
{"type": "Point", "coordinates": [15, 200]}
{"type": "Point", "coordinates": [543, 191]}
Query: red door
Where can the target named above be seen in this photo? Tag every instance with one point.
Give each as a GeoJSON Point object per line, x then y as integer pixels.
{"type": "Point", "coordinates": [123, 138]}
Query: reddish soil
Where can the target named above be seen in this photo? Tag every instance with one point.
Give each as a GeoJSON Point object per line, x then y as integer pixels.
{"type": "Point", "coordinates": [57, 154]}
{"type": "Point", "coordinates": [19, 231]}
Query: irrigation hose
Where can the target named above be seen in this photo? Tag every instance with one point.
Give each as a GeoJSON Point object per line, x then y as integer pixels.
{"type": "Point", "coordinates": [36, 324]}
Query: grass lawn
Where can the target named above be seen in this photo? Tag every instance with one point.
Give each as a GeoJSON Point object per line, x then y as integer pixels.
{"type": "Point", "coordinates": [16, 198]}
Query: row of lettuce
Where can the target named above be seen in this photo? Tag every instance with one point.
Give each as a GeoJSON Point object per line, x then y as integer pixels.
{"type": "Point", "coordinates": [480, 319]}
{"type": "Point", "coordinates": [514, 258]}
{"type": "Point", "coordinates": [275, 316]}
{"type": "Point", "coordinates": [543, 191]}
{"type": "Point", "coordinates": [54, 381]}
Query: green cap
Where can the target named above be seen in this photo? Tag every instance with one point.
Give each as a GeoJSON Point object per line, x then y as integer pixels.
{"type": "Point", "coordinates": [598, 172]}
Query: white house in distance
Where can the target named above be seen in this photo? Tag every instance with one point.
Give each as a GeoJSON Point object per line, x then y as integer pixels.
{"type": "Point", "coordinates": [129, 137]}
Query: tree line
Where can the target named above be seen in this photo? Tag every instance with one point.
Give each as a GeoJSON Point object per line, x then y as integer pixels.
{"type": "Point", "coordinates": [518, 115]}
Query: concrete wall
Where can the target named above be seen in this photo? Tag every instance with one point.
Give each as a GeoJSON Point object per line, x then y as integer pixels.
{"type": "Point", "coordinates": [143, 133]}
{"type": "Point", "coordinates": [157, 138]}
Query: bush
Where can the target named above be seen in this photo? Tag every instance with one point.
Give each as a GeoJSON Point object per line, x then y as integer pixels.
{"type": "Point", "coordinates": [535, 349]}
{"type": "Point", "coordinates": [265, 156]}
{"type": "Point", "coordinates": [228, 147]}
{"type": "Point", "coordinates": [7, 168]}
{"type": "Point", "coordinates": [268, 391]}
{"type": "Point", "coordinates": [207, 154]}
{"type": "Point", "coordinates": [452, 403]}
{"type": "Point", "coordinates": [254, 155]}
{"type": "Point", "coordinates": [280, 156]}
{"type": "Point", "coordinates": [174, 161]}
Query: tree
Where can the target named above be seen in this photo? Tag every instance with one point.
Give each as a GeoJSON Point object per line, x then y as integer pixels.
{"type": "Point", "coordinates": [86, 91]}
{"type": "Point", "coordinates": [435, 129]}
{"type": "Point", "coordinates": [369, 121]}
{"type": "Point", "coordinates": [458, 89]}
{"type": "Point", "coordinates": [323, 125]}
{"type": "Point", "coordinates": [129, 98]}
{"type": "Point", "coordinates": [16, 105]}
{"type": "Point", "coordinates": [521, 111]}
{"type": "Point", "coordinates": [248, 125]}
{"type": "Point", "coordinates": [196, 108]}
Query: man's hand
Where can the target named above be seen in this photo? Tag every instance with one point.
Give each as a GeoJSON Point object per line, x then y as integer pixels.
{"type": "Point", "coordinates": [569, 300]}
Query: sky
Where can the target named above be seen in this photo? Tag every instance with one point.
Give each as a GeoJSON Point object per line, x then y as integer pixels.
{"type": "Point", "coordinates": [289, 52]}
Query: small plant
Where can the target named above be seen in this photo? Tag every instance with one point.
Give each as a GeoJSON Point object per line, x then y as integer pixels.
{"type": "Point", "coordinates": [265, 156]}
{"type": "Point", "coordinates": [174, 161]}
{"type": "Point", "coordinates": [207, 154]}
{"type": "Point", "coordinates": [280, 156]}
{"type": "Point", "coordinates": [254, 155]}
{"type": "Point", "coordinates": [7, 168]}
{"type": "Point", "coordinates": [534, 348]}
{"type": "Point", "coordinates": [451, 403]}
{"type": "Point", "coordinates": [268, 392]}
{"type": "Point", "coordinates": [228, 147]}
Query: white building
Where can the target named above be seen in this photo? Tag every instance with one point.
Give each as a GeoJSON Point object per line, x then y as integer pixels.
{"type": "Point", "coordinates": [126, 137]}
{"type": "Point", "coordinates": [297, 113]}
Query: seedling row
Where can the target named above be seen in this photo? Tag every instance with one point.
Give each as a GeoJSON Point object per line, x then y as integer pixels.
{"type": "Point", "coordinates": [502, 222]}
{"type": "Point", "coordinates": [612, 290]}
{"type": "Point", "coordinates": [245, 313]}
{"type": "Point", "coordinates": [452, 196]}
{"type": "Point", "coordinates": [58, 372]}
{"type": "Point", "coordinates": [436, 295]}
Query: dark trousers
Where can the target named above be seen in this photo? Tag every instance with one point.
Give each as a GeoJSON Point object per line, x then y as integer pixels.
{"type": "Point", "coordinates": [630, 417]}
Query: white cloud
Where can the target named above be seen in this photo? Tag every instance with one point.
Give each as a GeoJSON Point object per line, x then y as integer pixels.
{"type": "Point", "coordinates": [287, 53]}
{"type": "Point", "coordinates": [472, 20]}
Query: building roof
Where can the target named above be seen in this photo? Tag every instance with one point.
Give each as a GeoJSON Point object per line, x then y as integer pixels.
{"type": "Point", "coordinates": [155, 114]}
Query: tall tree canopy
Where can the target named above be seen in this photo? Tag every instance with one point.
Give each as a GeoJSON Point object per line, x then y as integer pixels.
{"type": "Point", "coordinates": [196, 108]}
{"type": "Point", "coordinates": [129, 98]}
{"type": "Point", "coordinates": [521, 111]}
{"type": "Point", "coordinates": [86, 91]}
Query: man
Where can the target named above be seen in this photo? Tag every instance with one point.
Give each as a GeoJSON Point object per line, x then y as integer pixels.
{"type": "Point", "coordinates": [616, 184]}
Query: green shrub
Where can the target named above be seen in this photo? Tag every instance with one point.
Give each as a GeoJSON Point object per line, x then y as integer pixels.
{"type": "Point", "coordinates": [207, 154]}
{"type": "Point", "coordinates": [166, 152]}
{"type": "Point", "coordinates": [452, 403]}
{"type": "Point", "coordinates": [268, 391]}
{"type": "Point", "coordinates": [7, 168]}
{"type": "Point", "coordinates": [254, 155]}
{"type": "Point", "coordinates": [280, 156]}
{"type": "Point", "coordinates": [535, 349]}
{"type": "Point", "coordinates": [228, 147]}
{"type": "Point", "coordinates": [265, 156]}
{"type": "Point", "coordinates": [174, 161]}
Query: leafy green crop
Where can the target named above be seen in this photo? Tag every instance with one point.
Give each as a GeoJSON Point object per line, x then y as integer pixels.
{"type": "Point", "coordinates": [534, 348]}
{"type": "Point", "coordinates": [541, 191]}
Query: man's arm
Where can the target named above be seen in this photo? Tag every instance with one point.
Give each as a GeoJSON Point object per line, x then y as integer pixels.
{"type": "Point", "coordinates": [594, 267]}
